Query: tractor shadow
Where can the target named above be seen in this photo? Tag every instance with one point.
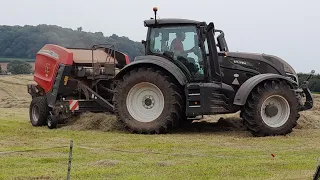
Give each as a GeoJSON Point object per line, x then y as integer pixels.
{"type": "Point", "coordinates": [232, 124]}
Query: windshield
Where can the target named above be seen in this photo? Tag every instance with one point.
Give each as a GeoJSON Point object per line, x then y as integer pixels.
{"type": "Point", "coordinates": [181, 43]}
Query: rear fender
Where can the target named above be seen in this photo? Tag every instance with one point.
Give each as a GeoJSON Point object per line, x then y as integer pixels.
{"type": "Point", "coordinates": [163, 63]}
{"type": "Point", "coordinates": [246, 88]}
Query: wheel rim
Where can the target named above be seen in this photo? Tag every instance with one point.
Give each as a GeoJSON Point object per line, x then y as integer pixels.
{"type": "Point", "coordinates": [275, 111]}
{"type": "Point", "coordinates": [35, 113]}
{"type": "Point", "coordinates": [49, 121]}
{"type": "Point", "coordinates": [145, 102]}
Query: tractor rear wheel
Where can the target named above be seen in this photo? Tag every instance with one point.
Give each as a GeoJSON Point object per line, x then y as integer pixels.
{"type": "Point", "coordinates": [148, 101]}
{"type": "Point", "coordinates": [38, 111]}
{"type": "Point", "coordinates": [271, 109]}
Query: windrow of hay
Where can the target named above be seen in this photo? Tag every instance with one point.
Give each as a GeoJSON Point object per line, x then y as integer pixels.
{"type": "Point", "coordinates": [311, 119]}
{"type": "Point", "coordinates": [94, 121]}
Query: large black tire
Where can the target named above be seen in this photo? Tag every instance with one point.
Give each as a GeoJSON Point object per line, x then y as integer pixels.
{"type": "Point", "coordinates": [263, 121]}
{"type": "Point", "coordinates": [168, 116]}
{"type": "Point", "coordinates": [38, 111]}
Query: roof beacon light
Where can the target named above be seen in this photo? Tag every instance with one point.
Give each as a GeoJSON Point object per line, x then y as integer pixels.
{"type": "Point", "coordinates": [155, 9]}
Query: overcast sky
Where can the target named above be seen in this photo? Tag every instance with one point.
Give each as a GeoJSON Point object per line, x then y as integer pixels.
{"type": "Point", "coordinates": [287, 28]}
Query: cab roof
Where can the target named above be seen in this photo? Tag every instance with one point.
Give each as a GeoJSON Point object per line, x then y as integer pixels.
{"type": "Point", "coordinates": [170, 21]}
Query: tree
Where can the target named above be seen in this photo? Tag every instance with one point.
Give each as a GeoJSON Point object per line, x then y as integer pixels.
{"type": "Point", "coordinates": [79, 29]}
{"type": "Point", "coordinates": [19, 67]}
{"type": "Point", "coordinates": [314, 82]}
{"type": "Point", "coordinates": [26, 41]}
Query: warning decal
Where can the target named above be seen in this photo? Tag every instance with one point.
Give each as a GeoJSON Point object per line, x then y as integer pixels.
{"type": "Point", "coordinates": [74, 105]}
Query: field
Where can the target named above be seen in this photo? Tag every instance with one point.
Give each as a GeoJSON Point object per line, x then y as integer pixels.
{"type": "Point", "coordinates": [210, 149]}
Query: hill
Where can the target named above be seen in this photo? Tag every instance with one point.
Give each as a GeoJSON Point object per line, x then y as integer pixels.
{"type": "Point", "coordinates": [25, 41]}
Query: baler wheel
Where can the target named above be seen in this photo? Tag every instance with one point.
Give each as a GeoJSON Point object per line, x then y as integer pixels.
{"type": "Point", "coordinates": [38, 111]}
{"type": "Point", "coordinates": [52, 122]}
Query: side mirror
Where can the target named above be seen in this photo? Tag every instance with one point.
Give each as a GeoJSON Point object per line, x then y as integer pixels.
{"type": "Point", "coordinates": [222, 43]}
{"type": "Point", "coordinates": [144, 43]}
{"type": "Point", "coordinates": [210, 26]}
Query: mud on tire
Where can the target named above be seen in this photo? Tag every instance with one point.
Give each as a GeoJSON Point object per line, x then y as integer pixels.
{"type": "Point", "coordinates": [38, 111]}
{"type": "Point", "coordinates": [260, 118]}
{"type": "Point", "coordinates": [137, 110]}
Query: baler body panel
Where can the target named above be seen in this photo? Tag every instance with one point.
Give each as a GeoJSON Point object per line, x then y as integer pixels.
{"type": "Point", "coordinates": [47, 62]}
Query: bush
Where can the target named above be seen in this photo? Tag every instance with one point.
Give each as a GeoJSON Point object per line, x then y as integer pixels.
{"type": "Point", "coordinates": [19, 67]}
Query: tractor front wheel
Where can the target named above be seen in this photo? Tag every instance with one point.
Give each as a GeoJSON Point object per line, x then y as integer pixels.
{"type": "Point", "coordinates": [271, 109]}
{"type": "Point", "coordinates": [148, 101]}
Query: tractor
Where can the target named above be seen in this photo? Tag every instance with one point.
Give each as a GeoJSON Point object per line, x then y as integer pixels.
{"type": "Point", "coordinates": [187, 72]}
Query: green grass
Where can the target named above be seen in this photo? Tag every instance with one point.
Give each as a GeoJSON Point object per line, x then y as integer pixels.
{"type": "Point", "coordinates": [120, 155]}
{"type": "Point", "coordinates": [5, 59]}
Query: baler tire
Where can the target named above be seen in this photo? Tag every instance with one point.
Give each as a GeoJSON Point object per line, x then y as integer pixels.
{"type": "Point", "coordinates": [38, 111]}
{"type": "Point", "coordinates": [252, 115]}
{"type": "Point", "coordinates": [163, 118]}
{"type": "Point", "coordinates": [52, 122]}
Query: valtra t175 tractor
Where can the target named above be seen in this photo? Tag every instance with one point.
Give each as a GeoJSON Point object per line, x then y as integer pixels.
{"type": "Point", "coordinates": [186, 72]}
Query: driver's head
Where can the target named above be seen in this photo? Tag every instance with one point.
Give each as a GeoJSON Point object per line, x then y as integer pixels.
{"type": "Point", "coordinates": [181, 36]}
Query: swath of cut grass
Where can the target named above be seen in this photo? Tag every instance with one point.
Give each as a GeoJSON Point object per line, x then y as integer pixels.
{"type": "Point", "coordinates": [94, 121]}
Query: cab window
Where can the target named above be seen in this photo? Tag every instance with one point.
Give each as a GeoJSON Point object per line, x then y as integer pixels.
{"type": "Point", "coordinates": [182, 43]}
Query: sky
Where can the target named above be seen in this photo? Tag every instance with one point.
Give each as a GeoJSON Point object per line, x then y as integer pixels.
{"type": "Point", "coordinates": [288, 29]}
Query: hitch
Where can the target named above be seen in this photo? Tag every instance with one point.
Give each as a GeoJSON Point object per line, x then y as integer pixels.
{"type": "Point", "coordinates": [305, 88]}
{"type": "Point", "coordinates": [310, 75]}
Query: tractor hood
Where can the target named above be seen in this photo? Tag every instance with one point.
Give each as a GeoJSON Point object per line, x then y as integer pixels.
{"type": "Point", "coordinates": [282, 66]}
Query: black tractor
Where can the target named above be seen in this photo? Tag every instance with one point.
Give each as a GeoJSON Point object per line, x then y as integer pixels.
{"type": "Point", "coordinates": [188, 71]}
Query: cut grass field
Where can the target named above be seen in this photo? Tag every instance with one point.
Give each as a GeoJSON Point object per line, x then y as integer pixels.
{"type": "Point", "coordinates": [223, 150]}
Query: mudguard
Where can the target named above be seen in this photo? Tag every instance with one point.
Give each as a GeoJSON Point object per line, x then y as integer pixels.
{"type": "Point", "coordinates": [158, 61]}
{"type": "Point", "coordinates": [246, 88]}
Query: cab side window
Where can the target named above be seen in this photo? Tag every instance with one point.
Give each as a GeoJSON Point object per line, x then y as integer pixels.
{"type": "Point", "coordinates": [182, 43]}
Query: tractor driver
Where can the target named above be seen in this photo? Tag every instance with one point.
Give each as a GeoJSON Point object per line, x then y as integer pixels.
{"type": "Point", "coordinates": [177, 45]}
{"type": "Point", "coordinates": [178, 50]}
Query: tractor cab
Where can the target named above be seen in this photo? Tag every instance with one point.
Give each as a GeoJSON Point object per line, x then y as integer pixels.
{"type": "Point", "coordinates": [189, 44]}
{"type": "Point", "coordinates": [178, 43]}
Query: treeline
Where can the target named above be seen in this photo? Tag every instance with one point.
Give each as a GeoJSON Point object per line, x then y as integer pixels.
{"type": "Point", "coordinates": [25, 41]}
{"type": "Point", "coordinates": [314, 82]}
